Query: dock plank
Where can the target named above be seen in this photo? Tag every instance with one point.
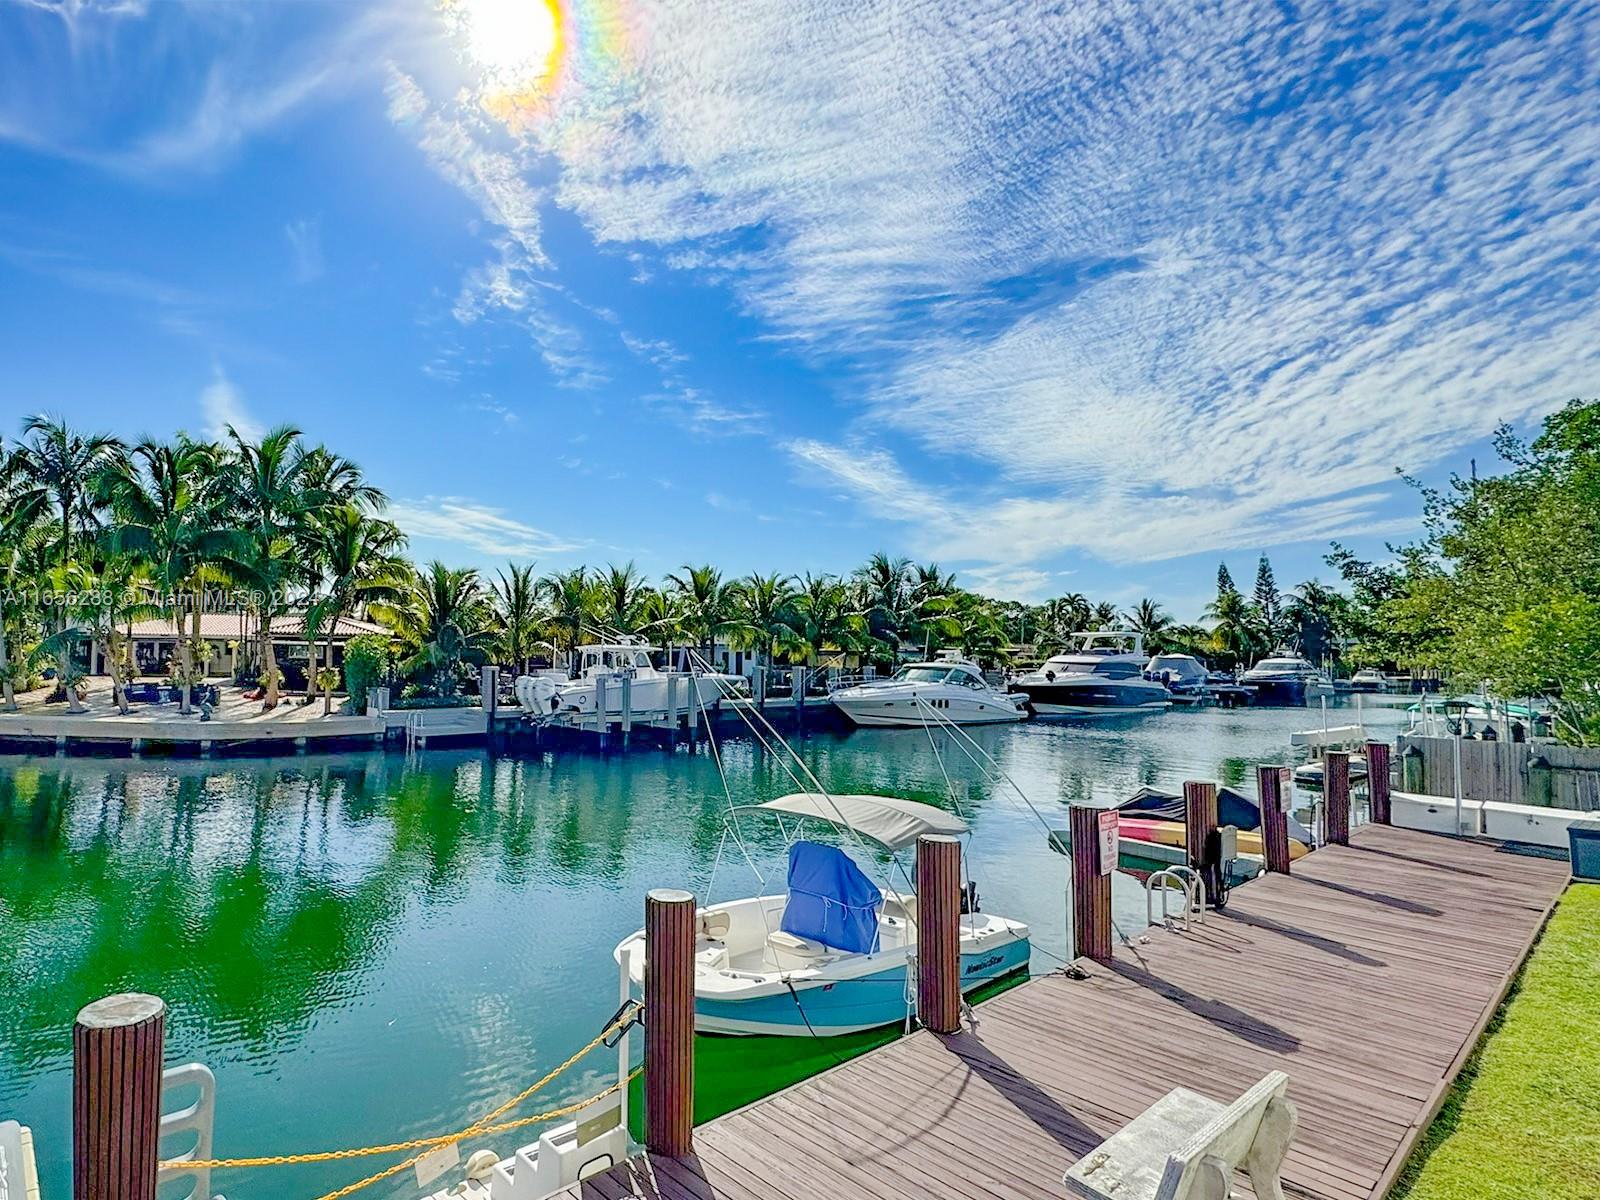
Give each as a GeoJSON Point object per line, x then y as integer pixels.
{"type": "Point", "coordinates": [1367, 975]}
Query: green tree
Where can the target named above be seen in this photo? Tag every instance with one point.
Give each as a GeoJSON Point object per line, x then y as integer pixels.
{"type": "Point", "coordinates": [619, 592]}
{"type": "Point", "coordinates": [1149, 619]}
{"type": "Point", "coordinates": [61, 466]}
{"type": "Point", "coordinates": [569, 599]}
{"type": "Point", "coordinates": [1267, 603]}
{"type": "Point", "coordinates": [765, 620]}
{"type": "Point", "coordinates": [705, 605]}
{"type": "Point", "coordinates": [516, 600]}
{"type": "Point", "coordinates": [360, 557]}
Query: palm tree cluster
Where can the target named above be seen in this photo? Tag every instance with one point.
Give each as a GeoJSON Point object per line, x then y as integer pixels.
{"type": "Point", "coordinates": [98, 534]}
{"type": "Point", "coordinates": [1310, 619]}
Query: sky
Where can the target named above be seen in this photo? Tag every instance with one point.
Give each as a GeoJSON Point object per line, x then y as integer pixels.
{"type": "Point", "coordinates": [1082, 297]}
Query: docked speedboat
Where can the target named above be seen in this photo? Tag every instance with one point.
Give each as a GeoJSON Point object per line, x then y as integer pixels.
{"type": "Point", "coordinates": [1183, 675]}
{"type": "Point", "coordinates": [1104, 674]}
{"type": "Point", "coordinates": [612, 662]}
{"type": "Point", "coordinates": [950, 689]}
{"type": "Point", "coordinates": [832, 954]}
{"type": "Point", "coordinates": [1368, 679]}
{"type": "Point", "coordinates": [1286, 679]}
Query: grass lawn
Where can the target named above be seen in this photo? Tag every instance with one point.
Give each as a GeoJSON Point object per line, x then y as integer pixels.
{"type": "Point", "coordinates": [1523, 1119]}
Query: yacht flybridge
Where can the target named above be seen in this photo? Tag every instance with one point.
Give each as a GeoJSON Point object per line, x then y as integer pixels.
{"type": "Point", "coordinates": [612, 662]}
{"type": "Point", "coordinates": [832, 954]}
{"type": "Point", "coordinates": [949, 689]}
{"type": "Point", "coordinates": [1104, 673]}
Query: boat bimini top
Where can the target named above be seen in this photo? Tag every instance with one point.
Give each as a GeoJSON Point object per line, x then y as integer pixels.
{"type": "Point", "coordinates": [888, 820]}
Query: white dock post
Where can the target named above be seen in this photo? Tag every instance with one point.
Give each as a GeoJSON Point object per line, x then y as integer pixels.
{"type": "Point", "coordinates": [601, 722]}
{"type": "Point", "coordinates": [61, 744]}
{"type": "Point", "coordinates": [694, 708]}
{"type": "Point", "coordinates": [135, 746]}
{"type": "Point", "coordinates": [760, 688]}
{"type": "Point", "coordinates": [627, 710]}
{"type": "Point", "coordinates": [797, 688]}
{"type": "Point", "coordinates": [672, 708]}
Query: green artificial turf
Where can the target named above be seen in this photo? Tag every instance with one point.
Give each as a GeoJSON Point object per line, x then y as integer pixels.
{"type": "Point", "coordinates": [1523, 1118]}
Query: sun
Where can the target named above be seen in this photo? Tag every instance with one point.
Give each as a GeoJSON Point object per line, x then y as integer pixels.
{"type": "Point", "coordinates": [514, 42]}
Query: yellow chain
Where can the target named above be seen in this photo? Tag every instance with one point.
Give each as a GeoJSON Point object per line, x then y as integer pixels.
{"type": "Point", "coordinates": [477, 1128]}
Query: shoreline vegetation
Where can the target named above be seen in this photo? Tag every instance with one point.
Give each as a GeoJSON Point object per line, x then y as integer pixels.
{"type": "Point", "coordinates": [1520, 1120]}
{"type": "Point", "coordinates": [1501, 589]}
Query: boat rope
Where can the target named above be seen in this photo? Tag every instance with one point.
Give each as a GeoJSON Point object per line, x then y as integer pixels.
{"type": "Point", "coordinates": [485, 1125]}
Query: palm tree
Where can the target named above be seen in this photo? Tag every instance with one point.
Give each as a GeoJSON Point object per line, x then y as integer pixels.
{"type": "Point", "coordinates": [569, 600]}
{"type": "Point", "coordinates": [105, 604]}
{"type": "Point", "coordinates": [885, 586]}
{"type": "Point", "coordinates": [1315, 612]}
{"type": "Point", "coordinates": [21, 538]}
{"type": "Point", "coordinates": [1152, 621]}
{"type": "Point", "coordinates": [1233, 629]}
{"type": "Point", "coordinates": [618, 592]}
{"type": "Point", "coordinates": [516, 598]}
{"type": "Point", "coordinates": [269, 482]}
{"type": "Point", "coordinates": [61, 465]}
{"type": "Point", "coordinates": [764, 618]}
{"type": "Point", "coordinates": [705, 605]}
{"type": "Point", "coordinates": [164, 501]}
{"type": "Point", "coordinates": [445, 619]}
{"type": "Point", "coordinates": [361, 558]}
{"type": "Point", "coordinates": [824, 617]}
{"type": "Point", "coordinates": [1103, 615]}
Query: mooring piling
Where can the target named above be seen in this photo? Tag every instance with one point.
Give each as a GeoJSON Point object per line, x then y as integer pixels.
{"type": "Point", "coordinates": [1200, 819]}
{"type": "Point", "coordinates": [1378, 782]}
{"type": "Point", "coordinates": [669, 937]}
{"type": "Point", "coordinates": [1336, 796]}
{"type": "Point", "coordinates": [1091, 885]}
{"type": "Point", "coordinates": [939, 932]}
{"type": "Point", "coordinates": [1272, 791]}
{"type": "Point", "coordinates": [117, 1047]}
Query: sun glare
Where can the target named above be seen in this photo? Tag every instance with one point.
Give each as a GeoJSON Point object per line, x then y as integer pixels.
{"type": "Point", "coordinates": [514, 42]}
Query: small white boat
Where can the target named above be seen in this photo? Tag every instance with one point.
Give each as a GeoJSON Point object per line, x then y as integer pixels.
{"type": "Point", "coordinates": [1368, 679]}
{"type": "Point", "coordinates": [950, 689]}
{"type": "Point", "coordinates": [612, 662]}
{"type": "Point", "coordinates": [830, 956]}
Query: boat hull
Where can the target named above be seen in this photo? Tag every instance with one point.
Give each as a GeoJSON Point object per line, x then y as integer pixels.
{"type": "Point", "coordinates": [820, 1008]}
{"type": "Point", "coordinates": [1065, 697]}
{"type": "Point", "coordinates": [909, 713]}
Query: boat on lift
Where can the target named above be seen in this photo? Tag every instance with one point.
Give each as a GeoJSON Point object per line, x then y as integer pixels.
{"type": "Point", "coordinates": [1104, 673]}
{"type": "Point", "coordinates": [612, 662]}
{"type": "Point", "coordinates": [949, 689]}
{"type": "Point", "coordinates": [832, 954]}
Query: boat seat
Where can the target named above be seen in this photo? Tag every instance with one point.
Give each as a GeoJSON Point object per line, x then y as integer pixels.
{"type": "Point", "coordinates": [716, 924]}
{"type": "Point", "coordinates": [785, 949]}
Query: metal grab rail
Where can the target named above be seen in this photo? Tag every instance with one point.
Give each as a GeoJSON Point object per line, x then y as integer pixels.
{"type": "Point", "coordinates": [200, 1118]}
{"type": "Point", "coordinates": [1188, 881]}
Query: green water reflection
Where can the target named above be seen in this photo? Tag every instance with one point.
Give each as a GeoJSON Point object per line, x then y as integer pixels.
{"type": "Point", "coordinates": [367, 948]}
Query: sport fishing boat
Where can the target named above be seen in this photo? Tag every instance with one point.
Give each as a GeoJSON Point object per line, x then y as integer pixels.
{"type": "Point", "coordinates": [830, 955]}
{"type": "Point", "coordinates": [613, 662]}
{"type": "Point", "coordinates": [950, 689]}
{"type": "Point", "coordinates": [1286, 679]}
{"type": "Point", "coordinates": [1104, 674]}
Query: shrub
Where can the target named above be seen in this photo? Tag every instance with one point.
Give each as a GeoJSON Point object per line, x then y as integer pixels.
{"type": "Point", "coordinates": [366, 662]}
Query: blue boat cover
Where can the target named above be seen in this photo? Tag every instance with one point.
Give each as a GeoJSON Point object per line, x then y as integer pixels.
{"type": "Point", "coordinates": [830, 900]}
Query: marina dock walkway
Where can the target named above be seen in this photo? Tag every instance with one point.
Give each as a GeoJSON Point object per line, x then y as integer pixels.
{"type": "Point", "coordinates": [1367, 975]}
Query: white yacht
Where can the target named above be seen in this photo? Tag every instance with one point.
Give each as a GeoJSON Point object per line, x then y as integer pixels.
{"type": "Point", "coordinates": [949, 689]}
{"type": "Point", "coordinates": [1103, 674]}
{"type": "Point", "coordinates": [1286, 678]}
{"type": "Point", "coordinates": [612, 662]}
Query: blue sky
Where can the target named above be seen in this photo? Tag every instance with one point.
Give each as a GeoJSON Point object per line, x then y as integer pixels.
{"type": "Point", "coordinates": [1066, 298]}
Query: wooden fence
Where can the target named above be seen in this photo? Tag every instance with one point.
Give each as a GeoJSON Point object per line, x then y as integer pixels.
{"type": "Point", "coordinates": [1510, 772]}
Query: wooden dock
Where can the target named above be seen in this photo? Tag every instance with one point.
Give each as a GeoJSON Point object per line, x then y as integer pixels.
{"type": "Point", "coordinates": [1367, 975]}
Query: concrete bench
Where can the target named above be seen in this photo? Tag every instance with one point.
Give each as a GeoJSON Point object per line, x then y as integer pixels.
{"type": "Point", "coordinates": [1187, 1146]}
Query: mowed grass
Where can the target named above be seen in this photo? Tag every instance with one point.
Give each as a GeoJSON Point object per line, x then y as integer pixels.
{"type": "Point", "coordinates": [1523, 1119]}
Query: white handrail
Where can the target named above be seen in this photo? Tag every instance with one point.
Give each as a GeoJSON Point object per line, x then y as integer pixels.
{"type": "Point", "coordinates": [200, 1117]}
{"type": "Point", "coordinates": [1189, 883]}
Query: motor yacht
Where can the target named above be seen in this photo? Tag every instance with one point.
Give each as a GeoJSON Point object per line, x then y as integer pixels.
{"type": "Point", "coordinates": [1104, 673]}
{"type": "Point", "coordinates": [1183, 675]}
{"type": "Point", "coordinates": [1286, 679]}
{"type": "Point", "coordinates": [950, 689]}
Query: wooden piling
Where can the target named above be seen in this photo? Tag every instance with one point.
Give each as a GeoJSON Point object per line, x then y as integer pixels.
{"type": "Point", "coordinates": [1200, 818]}
{"type": "Point", "coordinates": [1336, 796]}
{"type": "Point", "coordinates": [1271, 792]}
{"type": "Point", "coordinates": [1091, 886]}
{"type": "Point", "coordinates": [117, 1046]}
{"type": "Point", "coordinates": [1378, 782]}
{"type": "Point", "coordinates": [669, 931]}
{"type": "Point", "coordinates": [939, 933]}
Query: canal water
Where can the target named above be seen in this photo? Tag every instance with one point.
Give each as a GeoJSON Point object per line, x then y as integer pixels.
{"type": "Point", "coordinates": [367, 948]}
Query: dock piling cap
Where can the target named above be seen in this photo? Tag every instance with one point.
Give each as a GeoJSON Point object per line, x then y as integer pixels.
{"type": "Point", "coordinates": [125, 1008]}
{"type": "Point", "coordinates": [671, 896]}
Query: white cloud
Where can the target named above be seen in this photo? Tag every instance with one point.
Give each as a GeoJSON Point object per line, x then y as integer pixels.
{"type": "Point", "coordinates": [305, 249]}
{"type": "Point", "coordinates": [464, 522]}
{"type": "Point", "coordinates": [222, 407]}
